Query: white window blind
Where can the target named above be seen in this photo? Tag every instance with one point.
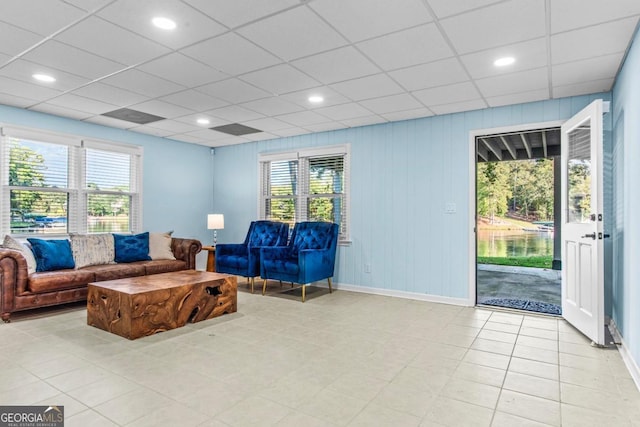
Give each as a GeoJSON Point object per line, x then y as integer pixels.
{"type": "Point", "coordinates": [55, 184]}
{"type": "Point", "coordinates": [306, 185]}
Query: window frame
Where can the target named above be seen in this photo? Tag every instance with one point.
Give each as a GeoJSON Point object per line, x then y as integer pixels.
{"type": "Point", "coordinates": [77, 145]}
{"type": "Point", "coordinates": [302, 156]}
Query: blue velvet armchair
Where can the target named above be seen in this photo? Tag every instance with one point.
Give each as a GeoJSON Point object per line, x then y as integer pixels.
{"type": "Point", "coordinates": [309, 257]}
{"type": "Point", "coordinates": [243, 259]}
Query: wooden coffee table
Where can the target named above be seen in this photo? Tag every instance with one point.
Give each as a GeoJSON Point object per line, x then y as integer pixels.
{"type": "Point", "coordinates": [139, 306]}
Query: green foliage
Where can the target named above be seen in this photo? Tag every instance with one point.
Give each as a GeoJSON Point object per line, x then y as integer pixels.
{"type": "Point", "coordinates": [493, 189]}
{"type": "Point", "coordinates": [25, 169]}
{"type": "Point", "coordinates": [532, 261]}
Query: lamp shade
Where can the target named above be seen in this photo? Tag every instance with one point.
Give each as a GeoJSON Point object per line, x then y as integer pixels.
{"type": "Point", "coordinates": [215, 221]}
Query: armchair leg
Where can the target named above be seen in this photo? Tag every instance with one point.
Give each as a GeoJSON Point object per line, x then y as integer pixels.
{"type": "Point", "coordinates": [264, 286]}
{"type": "Point", "coordinates": [252, 282]}
{"type": "Point", "coordinates": [330, 289]}
{"type": "Point", "coordinates": [303, 291]}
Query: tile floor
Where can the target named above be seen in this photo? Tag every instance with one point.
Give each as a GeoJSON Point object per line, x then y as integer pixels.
{"type": "Point", "coordinates": [344, 359]}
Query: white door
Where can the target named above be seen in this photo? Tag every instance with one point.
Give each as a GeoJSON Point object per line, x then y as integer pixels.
{"type": "Point", "coordinates": [582, 230]}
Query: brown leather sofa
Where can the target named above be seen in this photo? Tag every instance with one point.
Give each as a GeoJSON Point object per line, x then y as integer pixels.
{"type": "Point", "coordinates": [20, 290]}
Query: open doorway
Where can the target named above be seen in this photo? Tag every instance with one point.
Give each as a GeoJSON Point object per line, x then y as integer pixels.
{"type": "Point", "coordinates": [517, 220]}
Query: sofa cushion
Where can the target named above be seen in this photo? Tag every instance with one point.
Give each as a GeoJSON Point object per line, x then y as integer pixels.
{"type": "Point", "coordinates": [92, 249]}
{"type": "Point", "coordinates": [131, 247]}
{"type": "Point", "coordinates": [11, 243]}
{"type": "Point", "coordinates": [164, 266]}
{"type": "Point", "coordinates": [116, 271]}
{"type": "Point", "coordinates": [48, 281]}
{"type": "Point", "coordinates": [160, 246]}
{"type": "Point", "coordinates": [52, 254]}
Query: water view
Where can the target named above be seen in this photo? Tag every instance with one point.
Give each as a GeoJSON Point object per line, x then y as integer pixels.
{"type": "Point", "coordinates": [514, 243]}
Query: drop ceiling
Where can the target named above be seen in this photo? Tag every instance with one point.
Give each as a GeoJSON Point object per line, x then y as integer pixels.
{"type": "Point", "coordinates": [256, 62]}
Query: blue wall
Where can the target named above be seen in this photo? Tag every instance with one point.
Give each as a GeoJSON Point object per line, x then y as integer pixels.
{"type": "Point", "coordinates": [403, 174]}
{"type": "Point", "coordinates": [626, 238]}
{"type": "Point", "coordinates": [177, 179]}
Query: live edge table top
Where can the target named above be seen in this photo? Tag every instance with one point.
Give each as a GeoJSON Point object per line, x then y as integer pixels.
{"type": "Point", "coordinates": [140, 306]}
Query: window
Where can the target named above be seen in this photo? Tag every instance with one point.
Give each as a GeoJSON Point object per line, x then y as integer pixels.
{"type": "Point", "coordinates": [306, 185]}
{"type": "Point", "coordinates": [57, 184]}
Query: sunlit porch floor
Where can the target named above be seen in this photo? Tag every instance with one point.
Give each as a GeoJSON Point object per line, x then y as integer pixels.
{"type": "Point", "coordinates": [519, 287]}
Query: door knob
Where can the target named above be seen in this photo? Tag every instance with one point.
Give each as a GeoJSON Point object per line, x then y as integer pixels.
{"type": "Point", "coordinates": [592, 235]}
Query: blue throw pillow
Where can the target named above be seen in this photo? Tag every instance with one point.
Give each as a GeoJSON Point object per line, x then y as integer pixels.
{"type": "Point", "coordinates": [132, 247]}
{"type": "Point", "coordinates": [52, 254]}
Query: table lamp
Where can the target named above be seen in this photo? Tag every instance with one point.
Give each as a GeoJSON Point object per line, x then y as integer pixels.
{"type": "Point", "coordinates": [215, 222]}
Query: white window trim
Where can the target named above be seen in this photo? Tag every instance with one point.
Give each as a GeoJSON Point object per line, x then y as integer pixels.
{"type": "Point", "coordinates": [77, 192]}
{"type": "Point", "coordinates": [329, 150]}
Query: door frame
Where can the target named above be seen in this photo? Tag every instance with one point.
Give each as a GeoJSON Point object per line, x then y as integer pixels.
{"type": "Point", "coordinates": [473, 191]}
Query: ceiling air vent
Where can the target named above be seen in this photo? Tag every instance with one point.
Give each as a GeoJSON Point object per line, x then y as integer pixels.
{"type": "Point", "coordinates": [133, 116]}
{"type": "Point", "coordinates": [235, 129]}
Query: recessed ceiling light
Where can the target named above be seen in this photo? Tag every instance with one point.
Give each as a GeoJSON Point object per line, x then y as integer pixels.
{"type": "Point", "coordinates": [44, 78]}
{"type": "Point", "coordinates": [203, 121]}
{"type": "Point", "coordinates": [164, 23]}
{"type": "Point", "coordinates": [503, 62]}
{"type": "Point", "coordinates": [315, 99]}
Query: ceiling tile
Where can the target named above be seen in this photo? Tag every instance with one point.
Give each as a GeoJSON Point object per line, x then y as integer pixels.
{"type": "Point", "coordinates": [331, 97]}
{"type": "Point", "coordinates": [259, 136]}
{"type": "Point", "coordinates": [337, 65]}
{"type": "Point", "coordinates": [27, 90]}
{"type": "Point", "coordinates": [267, 124]}
{"type": "Point", "coordinates": [504, 23]}
{"type": "Point", "coordinates": [528, 55]}
{"type": "Point", "coordinates": [592, 41]}
{"type": "Point", "coordinates": [191, 119]}
{"type": "Point", "coordinates": [57, 110]}
{"type": "Point", "coordinates": [303, 118]}
{"type": "Point", "coordinates": [40, 16]}
{"type": "Point", "coordinates": [109, 94]}
{"type": "Point", "coordinates": [564, 16]}
{"type": "Point", "coordinates": [523, 81]}
{"type": "Point", "coordinates": [518, 98]}
{"type": "Point", "coordinates": [173, 126]}
{"type": "Point", "coordinates": [234, 13]}
{"type": "Point", "coordinates": [458, 107]}
{"type": "Point", "coordinates": [182, 70]}
{"type": "Point", "coordinates": [73, 60]}
{"type": "Point", "coordinates": [135, 15]}
{"type": "Point", "coordinates": [405, 48]}
{"type": "Point", "coordinates": [344, 111]}
{"type": "Point", "coordinates": [231, 54]}
{"type": "Point", "coordinates": [584, 88]}
{"type": "Point", "coordinates": [16, 40]}
{"type": "Point", "coordinates": [107, 40]}
{"type": "Point", "coordinates": [439, 73]}
{"type": "Point", "coordinates": [324, 127]}
{"type": "Point", "coordinates": [110, 121]}
{"type": "Point", "coordinates": [409, 114]}
{"type": "Point", "coordinates": [362, 19]}
{"type": "Point", "coordinates": [599, 68]}
{"type": "Point", "coordinates": [23, 70]}
{"type": "Point", "coordinates": [207, 134]}
{"type": "Point", "coordinates": [228, 141]}
{"type": "Point", "coordinates": [293, 34]}
{"type": "Point", "coordinates": [280, 79]}
{"type": "Point", "coordinates": [194, 100]}
{"type": "Point", "coordinates": [364, 121]}
{"type": "Point", "coordinates": [444, 8]}
{"type": "Point", "coordinates": [142, 83]}
{"type": "Point", "coordinates": [291, 132]}
{"type": "Point", "coordinates": [83, 104]}
{"type": "Point", "coordinates": [188, 138]}
{"type": "Point", "coordinates": [15, 101]}
{"type": "Point", "coordinates": [447, 94]}
{"type": "Point", "coordinates": [162, 109]}
{"type": "Point", "coordinates": [234, 91]}
{"type": "Point", "coordinates": [390, 104]}
{"type": "Point", "coordinates": [368, 87]}
{"type": "Point", "coordinates": [272, 106]}
{"type": "Point", "coordinates": [151, 131]}
{"type": "Point", "coordinates": [88, 5]}
{"type": "Point", "coordinates": [235, 113]}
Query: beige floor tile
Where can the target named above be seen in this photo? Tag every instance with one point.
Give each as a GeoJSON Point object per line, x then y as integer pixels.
{"type": "Point", "coordinates": [404, 399]}
{"type": "Point", "coordinates": [298, 419]}
{"type": "Point", "coordinates": [28, 394]}
{"type": "Point", "coordinates": [501, 327]}
{"type": "Point", "coordinates": [78, 377]}
{"type": "Point", "coordinates": [502, 419]}
{"type": "Point", "coordinates": [71, 405]}
{"type": "Point", "coordinates": [575, 416]}
{"type": "Point", "coordinates": [173, 414]}
{"type": "Point", "coordinates": [596, 400]}
{"type": "Point", "coordinates": [429, 379]}
{"type": "Point", "coordinates": [580, 362]}
{"type": "Point", "coordinates": [533, 367]}
{"type": "Point", "coordinates": [484, 358]}
{"type": "Point", "coordinates": [131, 406]}
{"type": "Point", "coordinates": [461, 330]}
{"type": "Point", "coordinates": [533, 353]}
{"type": "Point", "coordinates": [548, 323]}
{"type": "Point", "coordinates": [498, 336]}
{"type": "Point", "coordinates": [493, 346]}
{"type": "Point", "coordinates": [373, 415]}
{"type": "Point", "coordinates": [539, 333]}
{"type": "Point", "coordinates": [88, 418]}
{"type": "Point", "coordinates": [584, 350]}
{"type": "Point", "coordinates": [598, 379]}
{"type": "Point", "coordinates": [535, 386]}
{"type": "Point", "coordinates": [254, 410]}
{"type": "Point", "coordinates": [103, 390]}
{"type": "Point", "coordinates": [454, 413]}
{"type": "Point", "coordinates": [530, 407]}
{"type": "Point", "coordinates": [14, 377]}
{"type": "Point", "coordinates": [472, 392]}
{"type": "Point", "coordinates": [57, 366]}
{"type": "Point", "coordinates": [333, 407]}
{"type": "Point", "coordinates": [289, 392]}
{"type": "Point", "coordinates": [358, 385]}
{"type": "Point", "coordinates": [508, 318]}
{"type": "Point", "coordinates": [480, 374]}
{"type": "Point", "coordinates": [539, 343]}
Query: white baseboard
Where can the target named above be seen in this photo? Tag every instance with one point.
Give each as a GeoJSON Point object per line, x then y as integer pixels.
{"type": "Point", "coordinates": [397, 294]}
{"type": "Point", "coordinates": [631, 364]}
